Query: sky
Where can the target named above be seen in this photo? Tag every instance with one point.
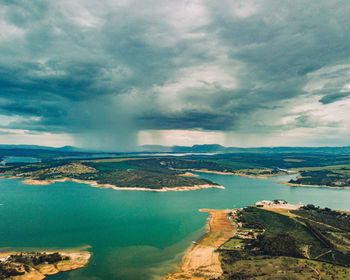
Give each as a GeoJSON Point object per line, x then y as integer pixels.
{"type": "Point", "coordinates": [115, 74]}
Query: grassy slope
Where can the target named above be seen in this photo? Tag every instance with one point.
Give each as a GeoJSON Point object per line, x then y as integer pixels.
{"type": "Point", "coordinates": [329, 170]}
{"type": "Point", "coordinates": [246, 263]}
{"type": "Point", "coordinates": [333, 176]}
{"type": "Point", "coordinates": [150, 173]}
{"type": "Point", "coordinates": [281, 268]}
{"type": "Point", "coordinates": [275, 224]}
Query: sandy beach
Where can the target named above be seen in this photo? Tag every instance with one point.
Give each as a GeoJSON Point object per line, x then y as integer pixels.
{"type": "Point", "coordinates": [201, 262]}
{"type": "Point", "coordinates": [77, 260]}
{"type": "Point", "coordinates": [106, 186]}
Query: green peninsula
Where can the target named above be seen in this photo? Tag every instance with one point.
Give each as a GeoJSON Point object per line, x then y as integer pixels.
{"type": "Point", "coordinates": [270, 240]}
{"type": "Point", "coordinates": [337, 176]}
{"type": "Point", "coordinates": [171, 172]}
{"type": "Point", "coordinates": [122, 173]}
{"type": "Point", "coordinates": [37, 265]}
{"type": "Point", "coordinates": [280, 243]}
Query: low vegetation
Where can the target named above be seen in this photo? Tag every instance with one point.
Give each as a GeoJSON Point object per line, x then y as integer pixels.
{"type": "Point", "coordinates": [19, 264]}
{"type": "Point", "coordinates": [314, 169]}
{"type": "Point", "coordinates": [332, 176]}
{"type": "Point", "coordinates": [152, 173]}
{"type": "Point", "coordinates": [308, 243]}
{"type": "Point", "coordinates": [280, 268]}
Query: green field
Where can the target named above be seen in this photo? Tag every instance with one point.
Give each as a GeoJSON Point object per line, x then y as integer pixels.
{"type": "Point", "coordinates": [111, 165]}
{"type": "Point", "coordinates": [309, 243]}
{"type": "Point", "coordinates": [276, 225]}
{"type": "Point", "coordinates": [332, 176]}
{"type": "Point", "coordinates": [280, 268]}
{"type": "Point", "coordinates": [237, 165]}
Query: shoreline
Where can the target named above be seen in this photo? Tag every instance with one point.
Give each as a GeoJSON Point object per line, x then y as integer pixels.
{"type": "Point", "coordinates": [312, 186]}
{"type": "Point", "coordinates": [271, 177]}
{"type": "Point", "coordinates": [29, 181]}
{"type": "Point", "coordinates": [106, 186]}
{"type": "Point", "coordinates": [211, 172]}
{"type": "Point", "coordinates": [77, 259]}
{"type": "Point", "coordinates": [242, 174]}
{"type": "Point", "coordinates": [264, 176]}
{"type": "Point", "coordinates": [201, 261]}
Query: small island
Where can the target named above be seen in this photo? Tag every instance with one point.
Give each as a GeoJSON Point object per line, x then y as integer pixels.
{"type": "Point", "coordinates": [271, 240]}
{"type": "Point", "coordinates": [37, 265]}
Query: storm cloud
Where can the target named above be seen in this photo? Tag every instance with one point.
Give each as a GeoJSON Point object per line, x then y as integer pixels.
{"type": "Point", "coordinates": [103, 71]}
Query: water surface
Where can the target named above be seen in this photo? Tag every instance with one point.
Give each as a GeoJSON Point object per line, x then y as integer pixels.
{"type": "Point", "coordinates": [19, 159]}
{"type": "Point", "coordinates": [131, 234]}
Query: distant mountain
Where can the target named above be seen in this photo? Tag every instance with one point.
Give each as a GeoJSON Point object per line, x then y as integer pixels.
{"type": "Point", "coordinates": [208, 148]}
{"type": "Point", "coordinates": [37, 147]}
{"type": "Point", "coordinates": [27, 147]}
{"type": "Point", "coordinates": [75, 149]}
{"type": "Point", "coordinates": [156, 149]}
{"type": "Point", "coordinates": [215, 148]}
{"type": "Point", "coordinates": [68, 149]}
{"type": "Point", "coordinates": [42, 152]}
{"type": "Point", "coordinates": [308, 150]}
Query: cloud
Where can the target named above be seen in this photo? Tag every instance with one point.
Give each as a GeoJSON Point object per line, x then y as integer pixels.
{"type": "Point", "coordinates": [327, 99]}
{"type": "Point", "coordinates": [180, 137]}
{"type": "Point", "coordinates": [101, 71]}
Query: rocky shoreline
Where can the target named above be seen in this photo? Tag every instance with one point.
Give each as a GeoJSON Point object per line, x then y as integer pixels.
{"type": "Point", "coordinates": [38, 265]}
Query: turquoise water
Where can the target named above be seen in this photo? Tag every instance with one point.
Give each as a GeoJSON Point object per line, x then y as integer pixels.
{"type": "Point", "coordinates": [132, 234]}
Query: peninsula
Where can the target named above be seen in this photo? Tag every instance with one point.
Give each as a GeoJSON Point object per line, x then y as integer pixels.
{"type": "Point", "coordinates": [271, 239]}
{"type": "Point", "coordinates": [150, 174]}
{"type": "Point", "coordinates": [169, 173]}
{"type": "Point", "coordinates": [37, 265]}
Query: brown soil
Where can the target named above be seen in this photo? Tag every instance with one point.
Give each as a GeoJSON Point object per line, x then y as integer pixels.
{"type": "Point", "coordinates": [201, 262]}
{"type": "Point", "coordinates": [77, 260]}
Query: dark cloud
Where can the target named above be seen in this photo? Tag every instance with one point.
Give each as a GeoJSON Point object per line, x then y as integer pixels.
{"type": "Point", "coordinates": [105, 70]}
{"type": "Point", "coordinates": [189, 120]}
{"type": "Point", "coordinates": [306, 121]}
{"type": "Point", "coordinates": [330, 98]}
{"type": "Point", "coordinates": [15, 109]}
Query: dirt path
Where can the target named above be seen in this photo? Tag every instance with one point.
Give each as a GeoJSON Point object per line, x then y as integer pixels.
{"type": "Point", "coordinates": [201, 262]}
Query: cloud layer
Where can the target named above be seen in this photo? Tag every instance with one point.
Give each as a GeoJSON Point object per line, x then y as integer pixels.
{"type": "Point", "coordinates": [104, 72]}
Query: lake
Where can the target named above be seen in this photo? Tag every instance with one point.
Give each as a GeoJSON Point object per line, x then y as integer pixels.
{"type": "Point", "coordinates": [131, 234]}
{"type": "Point", "coordinates": [19, 159]}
